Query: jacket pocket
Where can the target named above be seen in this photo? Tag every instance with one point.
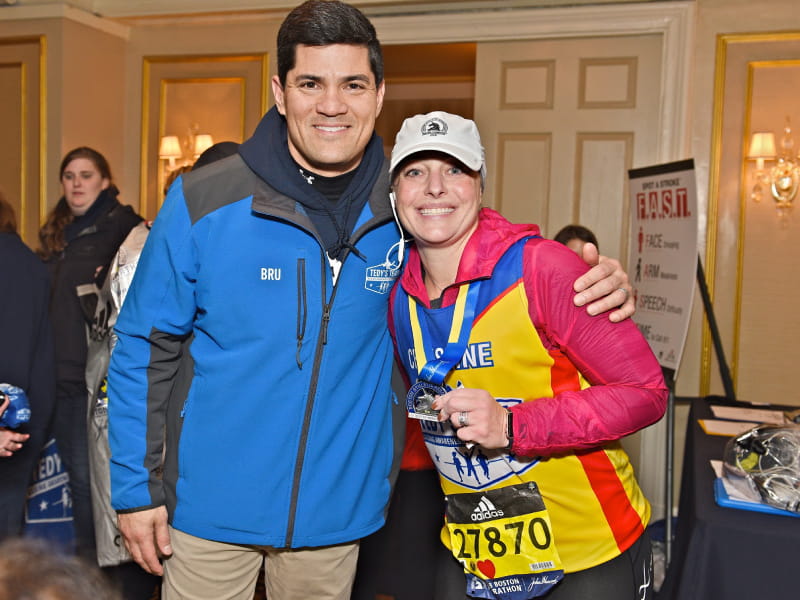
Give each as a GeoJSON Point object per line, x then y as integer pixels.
{"type": "Point", "coordinates": [302, 308]}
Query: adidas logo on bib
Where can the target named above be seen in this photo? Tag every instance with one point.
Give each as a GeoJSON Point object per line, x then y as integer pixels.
{"type": "Point", "coordinates": [485, 510]}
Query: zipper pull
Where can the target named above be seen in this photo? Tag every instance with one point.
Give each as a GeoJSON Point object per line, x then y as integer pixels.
{"type": "Point", "coordinates": [326, 318]}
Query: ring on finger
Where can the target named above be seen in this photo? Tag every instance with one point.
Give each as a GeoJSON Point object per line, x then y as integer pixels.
{"type": "Point", "coordinates": [463, 419]}
{"type": "Point", "coordinates": [626, 292]}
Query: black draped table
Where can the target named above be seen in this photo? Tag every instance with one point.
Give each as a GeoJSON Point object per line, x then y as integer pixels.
{"type": "Point", "coordinates": [726, 553]}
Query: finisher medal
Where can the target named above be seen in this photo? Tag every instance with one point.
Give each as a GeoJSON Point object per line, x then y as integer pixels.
{"type": "Point", "coordinates": [419, 400]}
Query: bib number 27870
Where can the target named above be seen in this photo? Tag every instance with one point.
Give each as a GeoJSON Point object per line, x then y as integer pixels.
{"type": "Point", "coordinates": [517, 537]}
{"type": "Point", "coordinates": [504, 540]}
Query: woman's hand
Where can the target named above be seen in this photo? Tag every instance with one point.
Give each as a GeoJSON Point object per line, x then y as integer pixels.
{"type": "Point", "coordinates": [475, 415]}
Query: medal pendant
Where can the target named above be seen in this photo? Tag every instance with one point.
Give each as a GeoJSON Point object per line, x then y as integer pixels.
{"type": "Point", "coordinates": [420, 398]}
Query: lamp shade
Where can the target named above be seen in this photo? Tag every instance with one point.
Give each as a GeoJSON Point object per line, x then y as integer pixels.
{"type": "Point", "coordinates": [762, 145]}
{"type": "Point", "coordinates": [169, 147]}
{"type": "Point", "coordinates": [202, 142]}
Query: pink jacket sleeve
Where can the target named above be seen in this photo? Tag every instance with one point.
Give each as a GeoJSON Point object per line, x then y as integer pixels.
{"type": "Point", "coordinates": [628, 390]}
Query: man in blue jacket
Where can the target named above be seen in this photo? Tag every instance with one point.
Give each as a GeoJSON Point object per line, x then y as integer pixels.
{"type": "Point", "coordinates": [253, 343]}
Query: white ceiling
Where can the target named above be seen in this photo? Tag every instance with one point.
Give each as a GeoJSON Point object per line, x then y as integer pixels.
{"type": "Point", "coordinates": [139, 8]}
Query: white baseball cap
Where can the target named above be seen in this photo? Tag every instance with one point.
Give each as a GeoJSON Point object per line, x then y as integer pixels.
{"type": "Point", "coordinates": [441, 132]}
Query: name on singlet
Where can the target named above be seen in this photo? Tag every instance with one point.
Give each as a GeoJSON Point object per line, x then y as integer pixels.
{"type": "Point", "coordinates": [478, 355]}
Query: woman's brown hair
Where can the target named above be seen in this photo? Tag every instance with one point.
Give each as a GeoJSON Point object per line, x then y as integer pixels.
{"type": "Point", "coordinates": [8, 221]}
{"type": "Point", "coordinates": [51, 235]}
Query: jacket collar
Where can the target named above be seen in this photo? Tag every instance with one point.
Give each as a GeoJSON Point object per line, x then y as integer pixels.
{"type": "Point", "coordinates": [280, 188]}
{"type": "Point", "coordinates": [269, 201]}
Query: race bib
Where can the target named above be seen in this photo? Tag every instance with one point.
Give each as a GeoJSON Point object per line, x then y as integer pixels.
{"type": "Point", "coordinates": [504, 540]}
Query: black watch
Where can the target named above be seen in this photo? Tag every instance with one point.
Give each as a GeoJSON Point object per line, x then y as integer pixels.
{"type": "Point", "coordinates": [509, 429]}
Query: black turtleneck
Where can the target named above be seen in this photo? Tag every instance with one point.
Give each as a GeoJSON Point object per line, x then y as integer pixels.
{"type": "Point", "coordinates": [334, 217]}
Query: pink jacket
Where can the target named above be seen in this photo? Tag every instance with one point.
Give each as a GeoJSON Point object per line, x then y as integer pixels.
{"type": "Point", "coordinates": [627, 390]}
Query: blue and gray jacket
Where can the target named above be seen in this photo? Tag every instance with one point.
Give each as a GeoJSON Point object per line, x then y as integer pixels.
{"type": "Point", "coordinates": [268, 385]}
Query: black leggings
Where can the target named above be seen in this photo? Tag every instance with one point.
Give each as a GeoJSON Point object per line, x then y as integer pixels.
{"type": "Point", "coordinates": [629, 576]}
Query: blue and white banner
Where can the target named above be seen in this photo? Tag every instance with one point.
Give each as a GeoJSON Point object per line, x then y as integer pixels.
{"type": "Point", "coordinates": [48, 512]}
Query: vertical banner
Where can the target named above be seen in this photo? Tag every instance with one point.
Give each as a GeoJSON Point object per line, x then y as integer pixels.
{"type": "Point", "coordinates": [662, 262]}
{"type": "Point", "coordinates": [48, 512]}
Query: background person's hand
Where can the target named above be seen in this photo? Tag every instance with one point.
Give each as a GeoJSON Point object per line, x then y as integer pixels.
{"type": "Point", "coordinates": [146, 537]}
{"type": "Point", "coordinates": [604, 287]}
{"type": "Point", "coordinates": [11, 441]}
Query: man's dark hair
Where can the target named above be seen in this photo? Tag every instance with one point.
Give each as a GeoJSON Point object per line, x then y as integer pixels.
{"type": "Point", "coordinates": [571, 232]}
{"type": "Point", "coordinates": [215, 152]}
{"type": "Point", "coordinates": [322, 23]}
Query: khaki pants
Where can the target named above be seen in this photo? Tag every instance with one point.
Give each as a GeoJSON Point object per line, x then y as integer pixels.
{"type": "Point", "coordinates": [201, 568]}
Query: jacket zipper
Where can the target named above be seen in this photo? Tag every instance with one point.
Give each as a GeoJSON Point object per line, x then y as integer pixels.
{"type": "Point", "coordinates": [312, 392]}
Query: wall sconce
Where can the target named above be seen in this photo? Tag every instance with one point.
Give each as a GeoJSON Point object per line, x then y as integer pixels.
{"type": "Point", "coordinates": [171, 148]}
{"type": "Point", "coordinates": [782, 179]}
{"type": "Point", "coordinates": [178, 154]}
{"type": "Point", "coordinates": [202, 142]}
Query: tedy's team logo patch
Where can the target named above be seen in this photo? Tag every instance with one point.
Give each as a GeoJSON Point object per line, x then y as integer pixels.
{"type": "Point", "coordinates": [379, 278]}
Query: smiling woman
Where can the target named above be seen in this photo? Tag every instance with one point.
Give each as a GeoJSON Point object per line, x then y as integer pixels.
{"type": "Point", "coordinates": [438, 195]}
{"type": "Point", "coordinates": [546, 387]}
{"type": "Point", "coordinates": [440, 199]}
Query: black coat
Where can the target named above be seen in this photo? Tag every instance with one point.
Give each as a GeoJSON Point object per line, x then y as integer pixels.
{"type": "Point", "coordinates": [26, 361]}
{"type": "Point", "coordinates": [86, 259]}
{"type": "Point", "coordinates": [26, 344]}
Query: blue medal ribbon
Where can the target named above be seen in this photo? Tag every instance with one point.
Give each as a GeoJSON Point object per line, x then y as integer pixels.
{"type": "Point", "coordinates": [436, 369]}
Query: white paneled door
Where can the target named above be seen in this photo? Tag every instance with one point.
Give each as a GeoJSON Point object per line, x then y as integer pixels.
{"type": "Point", "coordinates": [562, 121]}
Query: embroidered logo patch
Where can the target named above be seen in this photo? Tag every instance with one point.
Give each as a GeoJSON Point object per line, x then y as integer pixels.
{"type": "Point", "coordinates": [434, 126]}
{"type": "Point", "coordinates": [379, 278]}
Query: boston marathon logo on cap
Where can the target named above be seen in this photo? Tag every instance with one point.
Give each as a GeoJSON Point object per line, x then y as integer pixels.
{"type": "Point", "coordinates": [434, 126]}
